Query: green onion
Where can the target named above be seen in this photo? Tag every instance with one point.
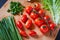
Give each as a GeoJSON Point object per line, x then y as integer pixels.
{"type": "Point", "coordinates": [8, 30]}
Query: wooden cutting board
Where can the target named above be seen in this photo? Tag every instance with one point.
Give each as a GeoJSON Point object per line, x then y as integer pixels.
{"type": "Point", "coordinates": [4, 13]}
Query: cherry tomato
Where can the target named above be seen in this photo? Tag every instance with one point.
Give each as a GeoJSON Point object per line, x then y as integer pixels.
{"type": "Point", "coordinates": [32, 33]}
{"type": "Point", "coordinates": [23, 33]}
{"type": "Point", "coordinates": [52, 26]}
{"type": "Point", "coordinates": [24, 18]}
{"type": "Point", "coordinates": [50, 21]}
{"type": "Point", "coordinates": [37, 6]}
{"type": "Point", "coordinates": [44, 29]}
{"type": "Point", "coordinates": [28, 24]}
{"type": "Point", "coordinates": [47, 17]}
{"type": "Point", "coordinates": [41, 12]}
{"type": "Point", "coordinates": [33, 15]}
{"type": "Point", "coordinates": [39, 22]}
{"type": "Point", "coordinates": [28, 9]}
{"type": "Point", "coordinates": [19, 25]}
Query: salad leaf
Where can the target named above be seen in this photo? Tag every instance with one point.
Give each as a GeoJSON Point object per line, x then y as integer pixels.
{"type": "Point", "coordinates": [54, 7]}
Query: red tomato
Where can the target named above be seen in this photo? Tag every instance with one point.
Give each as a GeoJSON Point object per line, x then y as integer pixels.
{"type": "Point", "coordinates": [19, 25]}
{"type": "Point", "coordinates": [39, 22]}
{"type": "Point", "coordinates": [44, 29]}
{"type": "Point", "coordinates": [23, 33]}
{"type": "Point", "coordinates": [37, 6]}
{"type": "Point", "coordinates": [28, 9]}
{"type": "Point", "coordinates": [32, 33]}
{"type": "Point", "coordinates": [50, 21]}
{"type": "Point", "coordinates": [24, 18]}
{"type": "Point", "coordinates": [28, 24]}
{"type": "Point", "coordinates": [41, 12]}
{"type": "Point", "coordinates": [52, 26]}
{"type": "Point", "coordinates": [47, 18]}
{"type": "Point", "coordinates": [33, 15]}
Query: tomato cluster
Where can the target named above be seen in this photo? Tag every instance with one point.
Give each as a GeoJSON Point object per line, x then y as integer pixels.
{"type": "Point", "coordinates": [37, 14]}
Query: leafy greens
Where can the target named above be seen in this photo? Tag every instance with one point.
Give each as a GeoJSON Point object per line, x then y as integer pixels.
{"type": "Point", "coordinates": [54, 7]}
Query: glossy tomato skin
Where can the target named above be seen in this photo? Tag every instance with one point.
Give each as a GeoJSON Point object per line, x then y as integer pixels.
{"type": "Point", "coordinates": [28, 24]}
{"type": "Point", "coordinates": [23, 33]}
{"type": "Point", "coordinates": [50, 21]}
{"type": "Point", "coordinates": [47, 17]}
{"type": "Point", "coordinates": [52, 26]}
{"type": "Point", "coordinates": [44, 29]}
{"type": "Point", "coordinates": [28, 9]}
{"type": "Point", "coordinates": [33, 15]}
{"type": "Point", "coordinates": [39, 22]}
{"type": "Point", "coordinates": [24, 18]}
{"type": "Point", "coordinates": [37, 6]}
{"type": "Point", "coordinates": [19, 24]}
{"type": "Point", "coordinates": [42, 12]}
{"type": "Point", "coordinates": [32, 33]}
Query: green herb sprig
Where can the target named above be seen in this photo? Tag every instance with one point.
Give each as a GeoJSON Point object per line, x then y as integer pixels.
{"type": "Point", "coordinates": [15, 8]}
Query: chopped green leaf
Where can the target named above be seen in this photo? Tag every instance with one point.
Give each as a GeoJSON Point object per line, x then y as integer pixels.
{"type": "Point", "coordinates": [15, 8]}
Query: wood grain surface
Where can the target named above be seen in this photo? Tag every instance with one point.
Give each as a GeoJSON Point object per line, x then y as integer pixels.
{"type": "Point", "coordinates": [4, 13]}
